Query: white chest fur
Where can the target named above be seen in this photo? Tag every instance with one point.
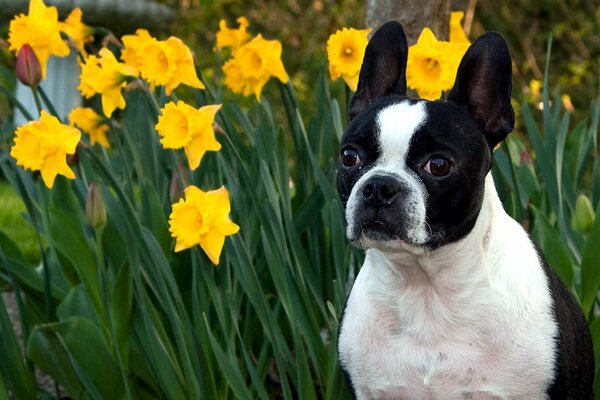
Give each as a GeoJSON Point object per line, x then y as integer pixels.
{"type": "Point", "coordinates": [472, 320]}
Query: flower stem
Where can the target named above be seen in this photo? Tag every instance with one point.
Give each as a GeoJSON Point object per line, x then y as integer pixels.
{"type": "Point", "coordinates": [36, 98]}
{"type": "Point", "coordinates": [48, 103]}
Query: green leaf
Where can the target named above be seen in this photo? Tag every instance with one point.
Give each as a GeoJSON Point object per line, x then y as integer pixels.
{"type": "Point", "coordinates": [595, 332]}
{"type": "Point", "coordinates": [10, 248]}
{"type": "Point", "coordinates": [157, 350]}
{"type": "Point", "coordinates": [70, 240]}
{"type": "Point", "coordinates": [77, 304]}
{"type": "Point", "coordinates": [154, 216]}
{"type": "Point", "coordinates": [121, 308]}
{"type": "Point", "coordinates": [80, 358]}
{"type": "Point", "coordinates": [12, 365]}
{"type": "Point", "coordinates": [590, 267]}
{"type": "Point", "coordinates": [554, 249]}
{"type": "Point", "coordinates": [29, 278]}
{"type": "Point", "coordinates": [3, 389]}
{"type": "Point", "coordinates": [229, 367]}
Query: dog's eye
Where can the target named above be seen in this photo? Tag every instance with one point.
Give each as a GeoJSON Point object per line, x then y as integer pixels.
{"type": "Point", "coordinates": [438, 166]}
{"type": "Point", "coordinates": [349, 158]}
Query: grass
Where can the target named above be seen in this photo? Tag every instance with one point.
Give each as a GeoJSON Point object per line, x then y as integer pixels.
{"type": "Point", "coordinates": [15, 226]}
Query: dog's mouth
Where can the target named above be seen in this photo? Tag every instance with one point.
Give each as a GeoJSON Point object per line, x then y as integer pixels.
{"type": "Point", "coordinates": [378, 229]}
{"type": "Point", "coordinates": [375, 230]}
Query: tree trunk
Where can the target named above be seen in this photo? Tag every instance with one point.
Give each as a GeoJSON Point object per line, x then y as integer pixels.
{"type": "Point", "coordinates": [413, 14]}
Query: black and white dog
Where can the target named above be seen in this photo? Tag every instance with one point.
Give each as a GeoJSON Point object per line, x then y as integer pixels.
{"type": "Point", "coordinates": [453, 300]}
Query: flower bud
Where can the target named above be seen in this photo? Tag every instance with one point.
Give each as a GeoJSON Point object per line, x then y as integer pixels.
{"type": "Point", "coordinates": [584, 214]}
{"type": "Point", "coordinates": [28, 68]}
{"type": "Point", "coordinates": [95, 211]}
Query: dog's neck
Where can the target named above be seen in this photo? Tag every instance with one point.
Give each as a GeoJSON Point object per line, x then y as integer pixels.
{"type": "Point", "coordinates": [451, 274]}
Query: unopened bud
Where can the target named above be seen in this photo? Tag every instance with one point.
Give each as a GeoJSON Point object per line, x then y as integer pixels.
{"type": "Point", "coordinates": [584, 214]}
{"type": "Point", "coordinates": [95, 211]}
{"type": "Point", "coordinates": [28, 68]}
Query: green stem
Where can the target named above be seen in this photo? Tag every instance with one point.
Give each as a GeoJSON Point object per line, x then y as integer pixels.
{"type": "Point", "coordinates": [47, 102]}
{"type": "Point", "coordinates": [152, 102]}
{"type": "Point", "coordinates": [36, 97]}
{"type": "Point", "coordinates": [513, 174]}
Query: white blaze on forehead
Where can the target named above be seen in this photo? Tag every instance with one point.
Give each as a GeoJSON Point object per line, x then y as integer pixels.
{"type": "Point", "coordinates": [396, 125]}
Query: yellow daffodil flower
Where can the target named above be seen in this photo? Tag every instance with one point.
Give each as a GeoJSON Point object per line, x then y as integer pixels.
{"type": "Point", "coordinates": [105, 76]}
{"type": "Point", "coordinates": [203, 219]}
{"type": "Point", "coordinates": [432, 65]}
{"type": "Point", "coordinates": [183, 126]}
{"type": "Point", "coordinates": [457, 33]}
{"type": "Point", "coordinates": [234, 38]}
{"type": "Point", "coordinates": [43, 146]}
{"type": "Point", "coordinates": [253, 65]}
{"type": "Point", "coordinates": [39, 29]}
{"type": "Point", "coordinates": [345, 52]}
{"type": "Point", "coordinates": [167, 63]}
{"type": "Point", "coordinates": [91, 123]}
{"type": "Point", "coordinates": [79, 32]}
{"type": "Point", "coordinates": [133, 47]}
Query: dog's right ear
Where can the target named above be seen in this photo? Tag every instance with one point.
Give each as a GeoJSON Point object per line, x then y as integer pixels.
{"type": "Point", "coordinates": [383, 70]}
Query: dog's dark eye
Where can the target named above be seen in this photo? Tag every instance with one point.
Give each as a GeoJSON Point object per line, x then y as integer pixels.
{"type": "Point", "coordinates": [349, 158]}
{"type": "Point", "coordinates": [438, 166]}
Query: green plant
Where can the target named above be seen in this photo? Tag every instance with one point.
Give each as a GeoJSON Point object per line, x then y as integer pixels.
{"type": "Point", "coordinates": [123, 316]}
{"type": "Point", "coordinates": [553, 189]}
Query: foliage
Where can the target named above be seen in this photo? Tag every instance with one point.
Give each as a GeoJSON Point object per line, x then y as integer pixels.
{"type": "Point", "coordinates": [15, 226]}
{"type": "Point", "coordinates": [527, 24]}
{"type": "Point", "coordinates": [124, 316]}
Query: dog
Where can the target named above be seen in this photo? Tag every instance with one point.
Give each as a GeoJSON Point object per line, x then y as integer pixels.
{"type": "Point", "coordinates": [453, 301]}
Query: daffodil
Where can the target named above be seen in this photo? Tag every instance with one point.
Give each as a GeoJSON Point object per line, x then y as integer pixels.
{"type": "Point", "coordinates": [457, 33]}
{"type": "Point", "coordinates": [345, 52]}
{"type": "Point", "coordinates": [105, 76]}
{"type": "Point", "coordinates": [183, 126]}
{"type": "Point", "coordinates": [202, 218]}
{"type": "Point", "coordinates": [167, 63]}
{"type": "Point", "coordinates": [233, 38]}
{"type": "Point", "coordinates": [253, 64]}
{"type": "Point", "coordinates": [43, 146]}
{"type": "Point", "coordinates": [39, 29]}
{"type": "Point", "coordinates": [79, 32]}
{"type": "Point", "coordinates": [432, 65]}
{"type": "Point", "coordinates": [133, 47]}
{"type": "Point", "coordinates": [91, 123]}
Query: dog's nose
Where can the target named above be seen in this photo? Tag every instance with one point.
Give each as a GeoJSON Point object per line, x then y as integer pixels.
{"type": "Point", "coordinates": [380, 191]}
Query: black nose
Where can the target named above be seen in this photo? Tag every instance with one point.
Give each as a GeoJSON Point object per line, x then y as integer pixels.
{"type": "Point", "coordinates": [380, 191]}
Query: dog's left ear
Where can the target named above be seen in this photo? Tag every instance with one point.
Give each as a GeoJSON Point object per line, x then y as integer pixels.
{"type": "Point", "coordinates": [383, 70]}
{"type": "Point", "coordinates": [484, 85]}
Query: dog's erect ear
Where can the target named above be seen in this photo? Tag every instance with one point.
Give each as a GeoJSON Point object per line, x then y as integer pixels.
{"type": "Point", "coordinates": [484, 85]}
{"type": "Point", "coordinates": [383, 69]}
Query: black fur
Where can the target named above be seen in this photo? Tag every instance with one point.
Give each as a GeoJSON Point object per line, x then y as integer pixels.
{"type": "Point", "coordinates": [383, 71]}
{"type": "Point", "coordinates": [574, 375]}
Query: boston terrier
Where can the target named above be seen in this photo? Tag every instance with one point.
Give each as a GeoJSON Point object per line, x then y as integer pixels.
{"type": "Point", "coordinates": [453, 300]}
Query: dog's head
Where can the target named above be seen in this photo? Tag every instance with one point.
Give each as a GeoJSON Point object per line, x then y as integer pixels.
{"type": "Point", "coordinates": [412, 172]}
